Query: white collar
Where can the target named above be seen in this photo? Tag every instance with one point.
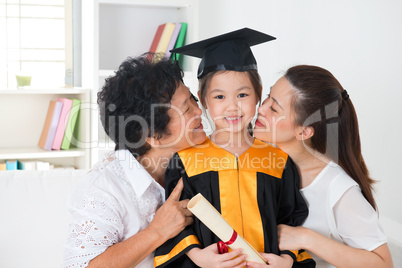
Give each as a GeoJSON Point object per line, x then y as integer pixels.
{"type": "Point", "coordinates": [136, 174]}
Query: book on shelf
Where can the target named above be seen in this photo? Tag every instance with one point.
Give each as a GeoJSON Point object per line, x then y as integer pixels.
{"type": "Point", "coordinates": [41, 165]}
{"type": "Point", "coordinates": [165, 38]}
{"type": "Point", "coordinates": [29, 165]}
{"type": "Point", "coordinates": [26, 165]}
{"type": "Point", "coordinates": [3, 165]}
{"type": "Point", "coordinates": [156, 39]}
{"type": "Point", "coordinates": [180, 40]}
{"type": "Point", "coordinates": [49, 128]}
{"type": "Point", "coordinates": [61, 127]}
{"type": "Point", "coordinates": [11, 164]}
{"type": "Point", "coordinates": [71, 124]}
{"type": "Point", "coordinates": [173, 40]}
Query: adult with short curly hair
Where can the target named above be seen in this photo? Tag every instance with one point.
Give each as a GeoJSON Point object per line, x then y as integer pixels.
{"type": "Point", "coordinates": [118, 216]}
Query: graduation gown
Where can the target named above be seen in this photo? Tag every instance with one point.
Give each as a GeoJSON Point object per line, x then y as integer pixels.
{"type": "Point", "coordinates": [254, 193]}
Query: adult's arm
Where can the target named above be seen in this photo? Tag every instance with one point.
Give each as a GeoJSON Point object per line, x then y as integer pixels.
{"type": "Point", "coordinates": [364, 243]}
{"type": "Point", "coordinates": [337, 254]}
{"type": "Point", "coordinates": [170, 219]}
{"type": "Point", "coordinates": [172, 252]}
{"type": "Point", "coordinates": [293, 210]}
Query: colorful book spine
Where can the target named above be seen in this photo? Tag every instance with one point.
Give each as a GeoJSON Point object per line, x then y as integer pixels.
{"type": "Point", "coordinates": [29, 165]}
{"type": "Point", "coordinates": [71, 124]}
{"type": "Point", "coordinates": [165, 38]}
{"type": "Point", "coordinates": [157, 37]}
{"type": "Point", "coordinates": [180, 39]}
{"type": "Point", "coordinates": [53, 125]}
{"type": "Point", "coordinates": [51, 122]}
{"type": "Point", "coordinates": [61, 127]}
{"type": "Point", "coordinates": [173, 39]}
{"type": "Point", "coordinates": [11, 164]}
{"type": "Point", "coordinates": [3, 166]}
{"type": "Point", "coordinates": [46, 126]}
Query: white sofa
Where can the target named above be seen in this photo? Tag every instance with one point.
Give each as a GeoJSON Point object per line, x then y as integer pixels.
{"type": "Point", "coordinates": [34, 218]}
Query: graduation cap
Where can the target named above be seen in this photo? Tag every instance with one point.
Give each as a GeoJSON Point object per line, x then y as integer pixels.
{"type": "Point", "coordinates": [230, 51]}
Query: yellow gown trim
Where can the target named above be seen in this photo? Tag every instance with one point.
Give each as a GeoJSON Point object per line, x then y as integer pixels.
{"type": "Point", "coordinates": [187, 241]}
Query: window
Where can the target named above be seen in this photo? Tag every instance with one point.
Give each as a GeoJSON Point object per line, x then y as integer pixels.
{"type": "Point", "coordinates": [33, 41]}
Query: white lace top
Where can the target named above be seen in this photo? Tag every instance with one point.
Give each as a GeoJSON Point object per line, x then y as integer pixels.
{"type": "Point", "coordinates": [117, 199]}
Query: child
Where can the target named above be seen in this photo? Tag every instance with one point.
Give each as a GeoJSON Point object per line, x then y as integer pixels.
{"type": "Point", "coordinates": [253, 185]}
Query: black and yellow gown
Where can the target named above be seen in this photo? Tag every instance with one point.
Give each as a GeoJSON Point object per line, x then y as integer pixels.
{"type": "Point", "coordinates": [254, 193]}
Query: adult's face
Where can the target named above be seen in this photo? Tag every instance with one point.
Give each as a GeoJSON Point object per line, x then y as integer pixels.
{"type": "Point", "coordinates": [185, 126]}
{"type": "Point", "coordinates": [275, 121]}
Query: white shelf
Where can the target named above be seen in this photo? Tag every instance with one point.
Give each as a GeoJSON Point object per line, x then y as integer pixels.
{"type": "Point", "coordinates": [147, 3]}
{"type": "Point", "coordinates": [24, 114]}
{"type": "Point", "coordinates": [38, 153]}
{"type": "Point", "coordinates": [105, 48]}
{"type": "Point", "coordinates": [33, 91]}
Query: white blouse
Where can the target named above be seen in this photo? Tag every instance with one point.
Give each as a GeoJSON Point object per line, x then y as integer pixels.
{"type": "Point", "coordinates": [117, 199]}
{"type": "Point", "coordinates": [338, 210]}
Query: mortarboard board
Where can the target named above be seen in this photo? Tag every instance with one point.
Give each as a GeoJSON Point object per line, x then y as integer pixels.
{"type": "Point", "coordinates": [230, 51]}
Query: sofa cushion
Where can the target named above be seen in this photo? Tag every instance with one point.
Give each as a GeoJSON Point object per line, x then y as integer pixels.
{"type": "Point", "coordinates": [34, 217]}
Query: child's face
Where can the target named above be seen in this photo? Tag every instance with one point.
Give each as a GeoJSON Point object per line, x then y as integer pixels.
{"type": "Point", "coordinates": [231, 101]}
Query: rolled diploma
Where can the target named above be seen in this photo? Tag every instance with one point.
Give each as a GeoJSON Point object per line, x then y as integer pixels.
{"type": "Point", "coordinates": [209, 216]}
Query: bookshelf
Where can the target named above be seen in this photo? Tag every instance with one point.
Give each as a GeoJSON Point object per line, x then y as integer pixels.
{"type": "Point", "coordinates": [23, 113]}
{"type": "Point", "coordinates": [116, 29]}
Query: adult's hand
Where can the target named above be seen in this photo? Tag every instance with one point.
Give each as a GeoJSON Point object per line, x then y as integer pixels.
{"type": "Point", "coordinates": [292, 238]}
{"type": "Point", "coordinates": [173, 216]}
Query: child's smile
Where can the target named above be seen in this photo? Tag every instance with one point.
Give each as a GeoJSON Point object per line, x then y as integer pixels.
{"type": "Point", "coordinates": [231, 101]}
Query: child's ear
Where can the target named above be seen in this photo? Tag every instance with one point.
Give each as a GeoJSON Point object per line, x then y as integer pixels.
{"type": "Point", "coordinates": [304, 133]}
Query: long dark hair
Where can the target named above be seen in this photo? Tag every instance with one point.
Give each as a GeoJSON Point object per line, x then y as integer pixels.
{"type": "Point", "coordinates": [321, 102]}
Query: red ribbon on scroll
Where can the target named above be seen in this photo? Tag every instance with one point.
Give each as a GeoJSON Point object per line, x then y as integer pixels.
{"type": "Point", "coordinates": [222, 246]}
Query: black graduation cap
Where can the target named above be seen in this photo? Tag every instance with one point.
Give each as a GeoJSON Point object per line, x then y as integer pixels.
{"type": "Point", "coordinates": [230, 51]}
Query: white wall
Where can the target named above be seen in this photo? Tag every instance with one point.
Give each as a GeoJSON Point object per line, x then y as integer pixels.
{"type": "Point", "coordinates": [359, 41]}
